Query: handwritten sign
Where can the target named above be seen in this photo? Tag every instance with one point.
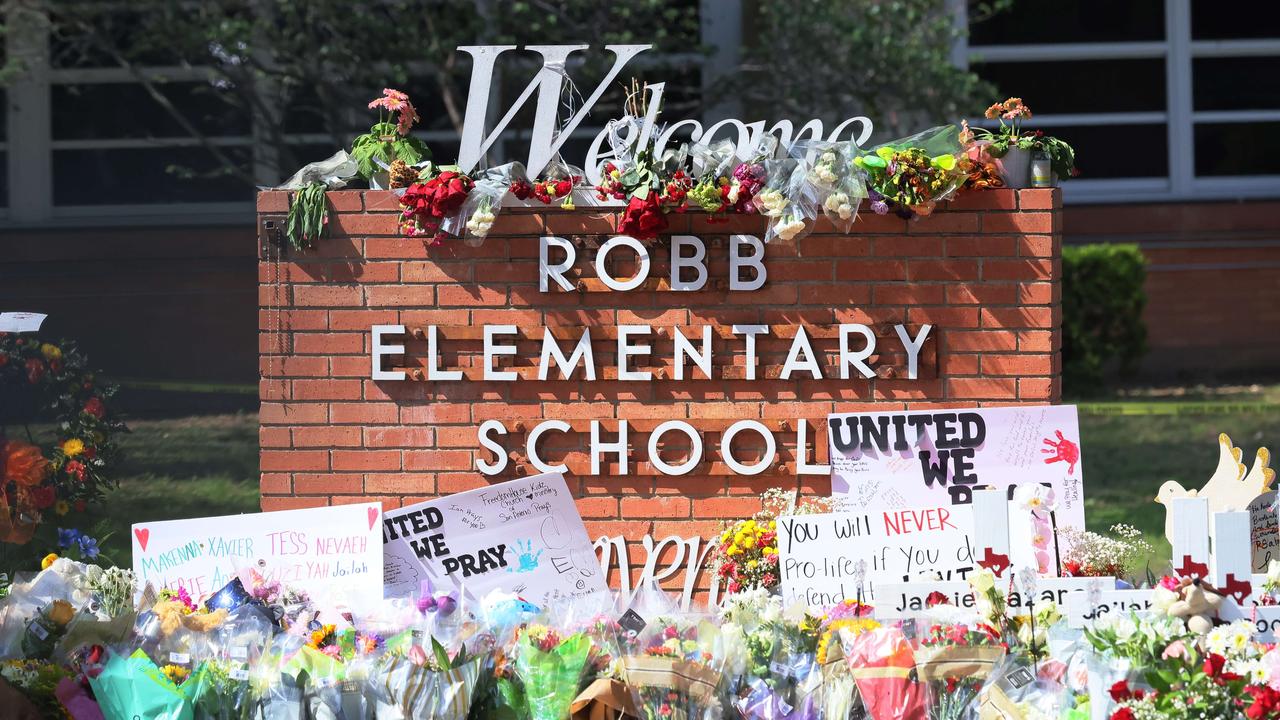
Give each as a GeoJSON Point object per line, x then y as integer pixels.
{"type": "Point", "coordinates": [330, 552]}
{"type": "Point", "coordinates": [819, 555]}
{"type": "Point", "coordinates": [1083, 609]}
{"type": "Point", "coordinates": [1264, 530]}
{"type": "Point", "coordinates": [901, 600]}
{"type": "Point", "coordinates": [20, 322]}
{"type": "Point", "coordinates": [891, 460]}
{"type": "Point", "coordinates": [524, 536]}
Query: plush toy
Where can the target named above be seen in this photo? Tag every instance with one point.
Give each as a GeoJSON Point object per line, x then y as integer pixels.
{"type": "Point", "coordinates": [173, 615]}
{"type": "Point", "coordinates": [1197, 604]}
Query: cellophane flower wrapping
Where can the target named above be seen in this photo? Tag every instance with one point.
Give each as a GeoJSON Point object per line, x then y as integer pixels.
{"type": "Point", "coordinates": [788, 200]}
{"type": "Point", "coordinates": [832, 179]}
{"type": "Point", "coordinates": [557, 184]}
{"type": "Point", "coordinates": [883, 665]}
{"type": "Point", "coordinates": [475, 218]}
{"type": "Point", "coordinates": [711, 168]}
{"type": "Point", "coordinates": [134, 686]}
{"type": "Point", "coordinates": [551, 667]}
{"type": "Point", "coordinates": [1017, 687]}
{"type": "Point", "coordinates": [838, 696]}
{"type": "Point", "coordinates": [220, 685]}
{"type": "Point", "coordinates": [953, 662]}
{"type": "Point", "coordinates": [276, 685]}
{"type": "Point", "coordinates": [29, 617]}
{"type": "Point", "coordinates": [670, 667]}
{"type": "Point", "coordinates": [429, 670]}
{"type": "Point", "coordinates": [911, 175]}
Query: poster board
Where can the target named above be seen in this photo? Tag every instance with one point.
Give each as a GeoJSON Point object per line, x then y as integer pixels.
{"type": "Point", "coordinates": [818, 554]}
{"type": "Point", "coordinates": [332, 553]}
{"type": "Point", "coordinates": [905, 600]}
{"type": "Point", "coordinates": [1264, 531]}
{"type": "Point", "coordinates": [524, 536]}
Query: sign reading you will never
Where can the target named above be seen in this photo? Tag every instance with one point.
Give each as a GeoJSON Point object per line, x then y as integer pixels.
{"type": "Point", "coordinates": [524, 536]}
{"type": "Point", "coordinates": [819, 555]}
{"type": "Point", "coordinates": [330, 552]}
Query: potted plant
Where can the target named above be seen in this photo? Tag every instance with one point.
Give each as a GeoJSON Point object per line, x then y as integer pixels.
{"type": "Point", "coordinates": [386, 142]}
{"type": "Point", "coordinates": [1017, 150]}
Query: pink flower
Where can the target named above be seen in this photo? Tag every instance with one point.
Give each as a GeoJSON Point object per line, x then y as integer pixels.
{"type": "Point", "coordinates": [331, 650]}
{"type": "Point", "coordinates": [1176, 650]}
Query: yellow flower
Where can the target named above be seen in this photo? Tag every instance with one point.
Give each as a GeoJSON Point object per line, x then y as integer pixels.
{"type": "Point", "coordinates": [73, 447]}
{"type": "Point", "coordinates": [61, 507]}
{"type": "Point", "coordinates": [770, 550]}
{"type": "Point", "coordinates": [48, 560]}
{"type": "Point", "coordinates": [749, 543]}
{"type": "Point", "coordinates": [751, 564]}
{"type": "Point", "coordinates": [50, 352]}
{"type": "Point", "coordinates": [773, 524]}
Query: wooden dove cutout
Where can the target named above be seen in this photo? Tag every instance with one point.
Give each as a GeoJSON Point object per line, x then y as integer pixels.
{"type": "Point", "coordinates": [1229, 488]}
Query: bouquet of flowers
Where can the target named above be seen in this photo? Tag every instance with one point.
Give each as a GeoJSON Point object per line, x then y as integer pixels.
{"type": "Point", "coordinates": [841, 624]}
{"type": "Point", "coordinates": [556, 184]}
{"type": "Point", "coordinates": [713, 188]}
{"type": "Point", "coordinates": [551, 668]}
{"type": "Point", "coordinates": [669, 669]}
{"type": "Point", "coordinates": [1090, 554]}
{"type": "Point", "coordinates": [473, 220]}
{"type": "Point", "coordinates": [1010, 136]}
{"type": "Point", "coordinates": [133, 685]}
{"type": "Point", "coordinates": [435, 683]}
{"type": "Point", "coordinates": [833, 180]}
{"type": "Point", "coordinates": [388, 142]}
{"type": "Point", "coordinates": [425, 205]}
{"type": "Point", "coordinates": [910, 176]}
{"type": "Point", "coordinates": [38, 681]}
{"type": "Point", "coordinates": [883, 664]}
{"type": "Point", "coordinates": [954, 662]}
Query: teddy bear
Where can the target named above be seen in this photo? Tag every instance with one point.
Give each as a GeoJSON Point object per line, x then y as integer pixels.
{"type": "Point", "coordinates": [173, 615]}
{"type": "Point", "coordinates": [1197, 604]}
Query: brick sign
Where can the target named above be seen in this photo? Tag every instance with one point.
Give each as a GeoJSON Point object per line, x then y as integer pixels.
{"type": "Point", "coordinates": [672, 382]}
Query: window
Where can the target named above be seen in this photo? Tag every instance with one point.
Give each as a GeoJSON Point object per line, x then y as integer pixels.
{"type": "Point", "coordinates": [1162, 99]}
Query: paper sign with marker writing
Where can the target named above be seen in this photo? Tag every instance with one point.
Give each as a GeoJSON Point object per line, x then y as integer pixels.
{"type": "Point", "coordinates": [332, 553]}
{"type": "Point", "coordinates": [524, 536]}
{"type": "Point", "coordinates": [819, 555]}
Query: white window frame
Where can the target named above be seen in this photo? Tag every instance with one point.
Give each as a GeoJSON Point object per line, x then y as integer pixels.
{"type": "Point", "coordinates": [1177, 50]}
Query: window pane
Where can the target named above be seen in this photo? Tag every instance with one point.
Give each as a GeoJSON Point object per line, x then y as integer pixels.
{"type": "Point", "coordinates": [1237, 149]}
{"type": "Point", "coordinates": [125, 110]}
{"type": "Point", "coordinates": [146, 176]}
{"type": "Point", "coordinates": [1076, 22]}
{"type": "Point", "coordinates": [1099, 154]}
{"type": "Point", "coordinates": [1242, 83]}
{"type": "Point", "coordinates": [1081, 86]}
{"type": "Point", "coordinates": [1231, 21]}
{"type": "Point", "coordinates": [4, 179]}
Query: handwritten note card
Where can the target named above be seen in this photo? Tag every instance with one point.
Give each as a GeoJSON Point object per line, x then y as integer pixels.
{"type": "Point", "coordinates": [331, 552]}
{"type": "Point", "coordinates": [20, 322]}
{"type": "Point", "coordinates": [818, 554]}
{"type": "Point", "coordinates": [524, 536]}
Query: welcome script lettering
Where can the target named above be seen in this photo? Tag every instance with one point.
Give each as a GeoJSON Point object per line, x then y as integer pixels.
{"type": "Point", "coordinates": [562, 356]}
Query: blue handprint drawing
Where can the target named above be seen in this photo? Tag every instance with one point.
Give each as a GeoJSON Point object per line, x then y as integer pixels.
{"type": "Point", "coordinates": [527, 559]}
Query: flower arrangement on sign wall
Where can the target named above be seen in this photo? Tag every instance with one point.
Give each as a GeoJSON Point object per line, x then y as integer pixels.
{"type": "Point", "coordinates": [388, 143]}
{"type": "Point", "coordinates": [746, 554]}
{"type": "Point", "coordinates": [1010, 136]}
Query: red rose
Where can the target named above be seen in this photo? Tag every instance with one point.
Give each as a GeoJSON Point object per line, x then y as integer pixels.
{"type": "Point", "coordinates": [43, 497]}
{"type": "Point", "coordinates": [35, 370]}
{"type": "Point", "coordinates": [522, 189]}
{"type": "Point", "coordinates": [643, 219]}
{"type": "Point", "coordinates": [1213, 665]}
{"type": "Point", "coordinates": [1122, 714]}
{"type": "Point", "coordinates": [936, 598]}
{"type": "Point", "coordinates": [1120, 691]}
{"type": "Point", "coordinates": [95, 407]}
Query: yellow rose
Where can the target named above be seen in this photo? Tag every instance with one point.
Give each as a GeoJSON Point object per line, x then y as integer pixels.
{"type": "Point", "coordinates": [50, 352]}
{"type": "Point", "coordinates": [48, 560]}
{"type": "Point", "coordinates": [73, 447]}
{"type": "Point", "coordinates": [982, 580]}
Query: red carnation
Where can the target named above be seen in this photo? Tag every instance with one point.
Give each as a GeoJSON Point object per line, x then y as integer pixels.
{"type": "Point", "coordinates": [1122, 714]}
{"type": "Point", "coordinates": [43, 497]}
{"type": "Point", "coordinates": [95, 407]}
{"type": "Point", "coordinates": [643, 218]}
{"type": "Point", "coordinates": [35, 370]}
{"type": "Point", "coordinates": [935, 598]}
{"type": "Point", "coordinates": [76, 469]}
{"type": "Point", "coordinates": [1213, 665]}
{"type": "Point", "coordinates": [522, 189]}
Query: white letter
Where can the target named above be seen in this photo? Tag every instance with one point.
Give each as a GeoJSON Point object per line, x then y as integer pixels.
{"type": "Point", "coordinates": [685, 349]}
{"type": "Point", "coordinates": [491, 351]}
{"type": "Point", "coordinates": [695, 448]}
{"type": "Point", "coordinates": [802, 452]}
{"type": "Point", "coordinates": [619, 446]}
{"type": "Point", "coordinates": [667, 134]}
{"type": "Point", "coordinates": [750, 354]}
{"type": "Point", "coordinates": [679, 262]}
{"type": "Point", "coordinates": [487, 428]}
{"type": "Point", "coordinates": [800, 345]}
{"type": "Point", "coordinates": [913, 347]}
{"type": "Point", "coordinates": [381, 350]}
{"type": "Point", "coordinates": [641, 252]}
{"type": "Point", "coordinates": [737, 261]}
{"type": "Point", "coordinates": [861, 139]}
{"type": "Point", "coordinates": [433, 365]}
{"type": "Point", "coordinates": [531, 445]}
{"type": "Point", "coordinates": [848, 357]}
{"type": "Point", "coordinates": [548, 133]}
{"type": "Point", "coordinates": [726, 447]}
{"type": "Point", "coordinates": [547, 270]}
{"type": "Point", "coordinates": [581, 354]}
{"type": "Point", "coordinates": [626, 350]}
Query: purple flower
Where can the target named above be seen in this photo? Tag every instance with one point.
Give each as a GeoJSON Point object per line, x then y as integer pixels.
{"type": "Point", "coordinates": [880, 207]}
{"type": "Point", "coordinates": [68, 537]}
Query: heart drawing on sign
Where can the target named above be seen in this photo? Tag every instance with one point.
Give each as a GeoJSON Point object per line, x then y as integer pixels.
{"type": "Point", "coordinates": [143, 535]}
{"type": "Point", "coordinates": [373, 516]}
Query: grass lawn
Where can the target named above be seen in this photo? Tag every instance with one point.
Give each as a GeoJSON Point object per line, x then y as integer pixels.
{"type": "Point", "coordinates": [208, 465]}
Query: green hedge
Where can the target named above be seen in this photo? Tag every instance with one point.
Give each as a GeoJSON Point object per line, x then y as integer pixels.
{"type": "Point", "coordinates": [1102, 302]}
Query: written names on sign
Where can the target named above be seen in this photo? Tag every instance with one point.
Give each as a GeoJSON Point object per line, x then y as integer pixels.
{"type": "Point", "coordinates": [901, 600]}
{"type": "Point", "coordinates": [524, 536]}
{"type": "Point", "coordinates": [1083, 609]}
{"type": "Point", "coordinates": [1264, 531]}
{"type": "Point", "coordinates": [332, 553]}
{"type": "Point", "coordinates": [818, 555]}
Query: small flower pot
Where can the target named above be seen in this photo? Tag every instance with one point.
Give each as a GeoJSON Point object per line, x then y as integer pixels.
{"type": "Point", "coordinates": [1015, 167]}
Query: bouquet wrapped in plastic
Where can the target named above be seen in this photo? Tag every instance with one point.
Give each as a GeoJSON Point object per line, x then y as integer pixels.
{"type": "Point", "coordinates": [712, 173]}
{"type": "Point", "coordinates": [838, 696]}
{"type": "Point", "coordinates": [954, 662]}
{"type": "Point", "coordinates": [133, 685]}
{"type": "Point", "coordinates": [832, 179]}
{"type": "Point", "coordinates": [884, 667]}
{"type": "Point", "coordinates": [670, 670]}
{"type": "Point", "coordinates": [219, 685]}
{"type": "Point", "coordinates": [910, 176]}
{"type": "Point", "coordinates": [551, 667]}
{"type": "Point", "coordinates": [473, 220]}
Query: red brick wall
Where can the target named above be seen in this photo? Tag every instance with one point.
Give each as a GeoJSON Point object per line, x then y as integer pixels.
{"type": "Point", "coordinates": [984, 271]}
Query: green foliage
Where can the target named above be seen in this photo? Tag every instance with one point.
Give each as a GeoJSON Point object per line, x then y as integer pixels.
{"type": "Point", "coordinates": [308, 216]}
{"type": "Point", "coordinates": [383, 143]}
{"type": "Point", "coordinates": [1102, 303]}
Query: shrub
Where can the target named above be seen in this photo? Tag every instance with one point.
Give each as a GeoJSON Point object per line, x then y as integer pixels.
{"type": "Point", "coordinates": [1102, 302]}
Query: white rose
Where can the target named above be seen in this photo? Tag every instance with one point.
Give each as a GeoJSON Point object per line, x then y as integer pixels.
{"type": "Point", "coordinates": [1162, 598]}
{"type": "Point", "coordinates": [789, 229]}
